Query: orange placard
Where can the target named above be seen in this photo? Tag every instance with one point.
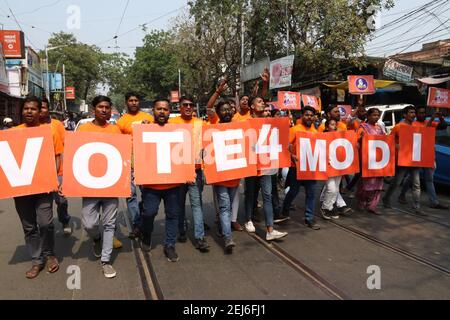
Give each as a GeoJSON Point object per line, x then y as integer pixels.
{"type": "Point", "coordinates": [163, 154]}
{"type": "Point", "coordinates": [311, 101]}
{"type": "Point", "coordinates": [270, 138]}
{"type": "Point", "coordinates": [438, 98]}
{"type": "Point", "coordinates": [27, 162]}
{"type": "Point", "coordinates": [311, 156]}
{"type": "Point", "coordinates": [343, 155]}
{"type": "Point", "coordinates": [227, 155]}
{"type": "Point", "coordinates": [378, 156]}
{"type": "Point", "coordinates": [174, 96]}
{"type": "Point", "coordinates": [70, 93]}
{"type": "Point", "coordinates": [361, 84]}
{"type": "Point", "coordinates": [97, 164]}
{"type": "Point", "coordinates": [289, 100]}
{"type": "Point", "coordinates": [414, 144]}
{"type": "Point", "coordinates": [345, 110]}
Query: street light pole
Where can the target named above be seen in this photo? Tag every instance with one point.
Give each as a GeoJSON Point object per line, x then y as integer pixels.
{"type": "Point", "coordinates": [47, 80]}
{"type": "Point", "coordinates": [64, 88]}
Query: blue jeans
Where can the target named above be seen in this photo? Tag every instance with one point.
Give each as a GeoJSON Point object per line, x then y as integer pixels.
{"type": "Point", "coordinates": [225, 197]}
{"type": "Point", "coordinates": [294, 188]}
{"type": "Point", "coordinates": [133, 205]}
{"type": "Point", "coordinates": [400, 173]}
{"type": "Point", "coordinates": [195, 197]}
{"type": "Point", "coordinates": [152, 199]}
{"type": "Point", "coordinates": [429, 184]}
{"type": "Point", "coordinates": [251, 194]}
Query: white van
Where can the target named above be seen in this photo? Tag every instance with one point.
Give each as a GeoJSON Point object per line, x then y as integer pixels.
{"type": "Point", "coordinates": [390, 115]}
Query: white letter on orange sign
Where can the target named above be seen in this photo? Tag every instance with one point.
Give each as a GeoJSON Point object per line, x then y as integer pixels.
{"type": "Point", "coordinates": [22, 176]}
{"type": "Point", "coordinates": [113, 164]}
{"type": "Point", "coordinates": [222, 151]}
{"type": "Point", "coordinates": [349, 154]}
{"type": "Point", "coordinates": [306, 155]}
{"type": "Point", "coordinates": [163, 141]}
{"type": "Point", "coordinates": [417, 147]}
{"type": "Point", "coordinates": [274, 147]}
{"type": "Point", "coordinates": [385, 152]}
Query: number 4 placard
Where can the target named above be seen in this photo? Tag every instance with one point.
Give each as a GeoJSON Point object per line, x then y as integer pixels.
{"type": "Point", "coordinates": [271, 140]}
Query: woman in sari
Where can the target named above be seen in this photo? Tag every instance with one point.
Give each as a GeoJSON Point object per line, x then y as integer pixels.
{"type": "Point", "coordinates": [369, 189]}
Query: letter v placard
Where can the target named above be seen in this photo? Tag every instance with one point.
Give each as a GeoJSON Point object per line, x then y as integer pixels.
{"type": "Point", "coordinates": [27, 162]}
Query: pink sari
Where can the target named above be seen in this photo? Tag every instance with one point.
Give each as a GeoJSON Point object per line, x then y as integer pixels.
{"type": "Point", "coordinates": [369, 189]}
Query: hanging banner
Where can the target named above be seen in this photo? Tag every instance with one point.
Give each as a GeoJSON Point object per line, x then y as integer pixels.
{"type": "Point", "coordinates": [289, 100]}
{"type": "Point", "coordinates": [97, 163]}
{"type": "Point", "coordinates": [397, 71]}
{"type": "Point", "coordinates": [438, 98]}
{"type": "Point", "coordinates": [27, 162]}
{"type": "Point", "coordinates": [281, 72]}
{"type": "Point", "coordinates": [378, 156]}
{"type": "Point", "coordinates": [174, 96]}
{"type": "Point", "coordinates": [361, 85]}
{"type": "Point", "coordinates": [13, 43]}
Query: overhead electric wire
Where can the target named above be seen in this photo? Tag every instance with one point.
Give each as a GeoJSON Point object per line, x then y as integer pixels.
{"type": "Point", "coordinates": [121, 19]}
{"type": "Point", "coordinates": [20, 27]}
{"type": "Point", "coordinates": [39, 8]}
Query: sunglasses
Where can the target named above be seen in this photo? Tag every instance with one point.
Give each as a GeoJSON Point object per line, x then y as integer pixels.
{"type": "Point", "coordinates": [187, 104]}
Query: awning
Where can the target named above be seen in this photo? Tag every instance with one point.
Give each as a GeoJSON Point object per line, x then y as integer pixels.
{"type": "Point", "coordinates": [434, 80]}
{"type": "Point", "coordinates": [344, 85]}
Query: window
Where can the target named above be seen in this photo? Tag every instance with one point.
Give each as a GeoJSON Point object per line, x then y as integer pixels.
{"type": "Point", "coordinates": [387, 118]}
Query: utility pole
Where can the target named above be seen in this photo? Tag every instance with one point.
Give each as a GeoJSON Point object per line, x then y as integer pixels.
{"type": "Point", "coordinates": [64, 87]}
{"type": "Point", "coordinates": [287, 28]}
{"type": "Point", "coordinates": [179, 83]}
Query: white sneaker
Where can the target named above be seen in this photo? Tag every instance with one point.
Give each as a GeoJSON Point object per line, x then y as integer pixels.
{"type": "Point", "coordinates": [275, 235]}
{"type": "Point", "coordinates": [108, 270]}
{"type": "Point", "coordinates": [67, 229]}
{"type": "Point", "coordinates": [249, 227]}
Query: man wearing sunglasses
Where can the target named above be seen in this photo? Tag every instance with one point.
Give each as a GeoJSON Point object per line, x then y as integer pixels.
{"type": "Point", "coordinates": [195, 189]}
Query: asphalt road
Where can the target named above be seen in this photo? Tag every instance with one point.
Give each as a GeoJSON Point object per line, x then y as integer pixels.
{"type": "Point", "coordinates": [411, 253]}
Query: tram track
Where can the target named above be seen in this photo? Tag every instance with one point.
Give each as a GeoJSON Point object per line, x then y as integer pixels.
{"type": "Point", "coordinates": [299, 266]}
{"type": "Point", "coordinates": [149, 281]}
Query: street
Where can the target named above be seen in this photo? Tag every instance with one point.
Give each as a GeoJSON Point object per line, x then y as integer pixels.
{"type": "Point", "coordinates": [410, 252]}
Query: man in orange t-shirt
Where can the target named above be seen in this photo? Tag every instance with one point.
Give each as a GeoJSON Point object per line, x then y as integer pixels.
{"type": "Point", "coordinates": [244, 110]}
{"type": "Point", "coordinates": [409, 114]}
{"type": "Point", "coordinates": [195, 189]}
{"type": "Point", "coordinates": [125, 123]}
{"type": "Point", "coordinates": [333, 113]}
{"type": "Point", "coordinates": [428, 173]}
{"type": "Point", "coordinates": [36, 211]}
{"type": "Point", "coordinates": [153, 194]}
{"type": "Point", "coordinates": [91, 206]}
{"type": "Point", "coordinates": [306, 125]}
{"type": "Point", "coordinates": [60, 200]}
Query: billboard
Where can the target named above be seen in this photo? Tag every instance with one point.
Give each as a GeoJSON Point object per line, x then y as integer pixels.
{"type": "Point", "coordinates": [13, 43]}
{"type": "Point", "coordinates": [397, 71]}
{"type": "Point", "coordinates": [281, 72]}
{"type": "Point", "coordinates": [70, 93]}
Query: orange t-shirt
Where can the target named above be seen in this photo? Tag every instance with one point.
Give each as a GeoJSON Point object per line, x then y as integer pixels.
{"type": "Point", "coordinates": [180, 120]}
{"type": "Point", "coordinates": [416, 123]}
{"type": "Point", "coordinates": [58, 144]}
{"type": "Point", "coordinates": [107, 128]}
{"type": "Point", "coordinates": [299, 127]}
{"type": "Point", "coordinates": [125, 123]}
{"type": "Point", "coordinates": [341, 126]}
{"type": "Point", "coordinates": [59, 127]}
{"type": "Point", "coordinates": [213, 120]}
{"type": "Point", "coordinates": [239, 117]}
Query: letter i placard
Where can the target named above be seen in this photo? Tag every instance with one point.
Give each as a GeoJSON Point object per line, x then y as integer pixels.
{"type": "Point", "coordinates": [416, 147]}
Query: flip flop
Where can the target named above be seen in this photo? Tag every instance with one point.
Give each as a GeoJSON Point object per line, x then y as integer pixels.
{"type": "Point", "coordinates": [52, 264]}
{"type": "Point", "coordinates": [34, 271]}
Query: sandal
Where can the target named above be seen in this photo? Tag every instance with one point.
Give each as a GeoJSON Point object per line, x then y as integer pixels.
{"type": "Point", "coordinates": [52, 264]}
{"type": "Point", "coordinates": [34, 271]}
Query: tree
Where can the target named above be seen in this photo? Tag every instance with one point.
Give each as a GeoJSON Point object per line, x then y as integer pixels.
{"type": "Point", "coordinates": [82, 63]}
{"type": "Point", "coordinates": [154, 72]}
